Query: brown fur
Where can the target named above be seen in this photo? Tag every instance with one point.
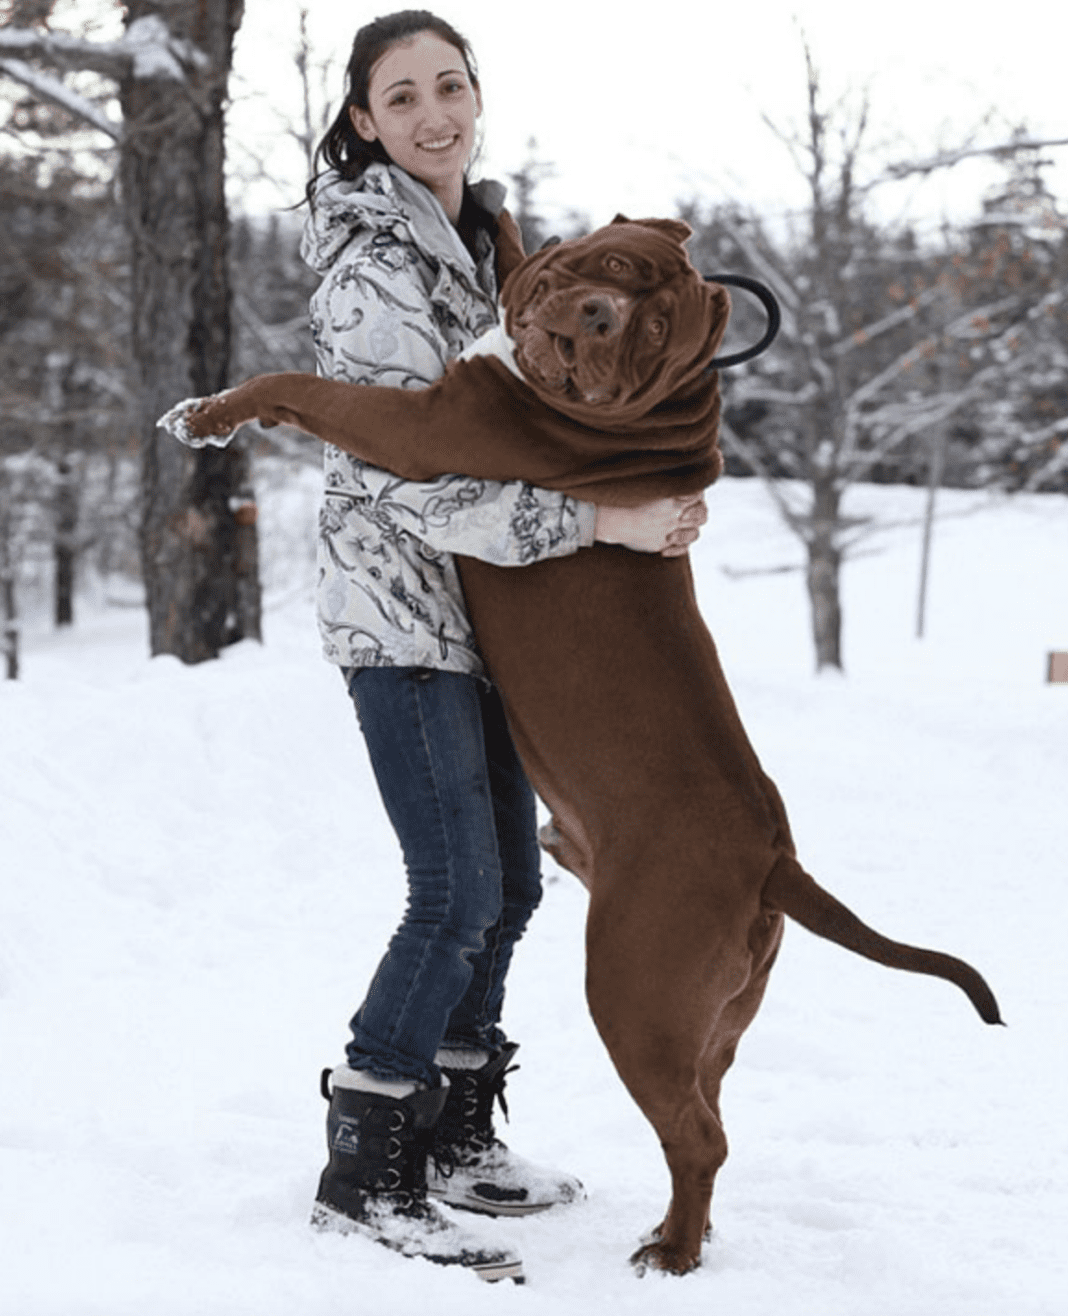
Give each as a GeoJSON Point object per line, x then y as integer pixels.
{"type": "Point", "coordinates": [614, 692]}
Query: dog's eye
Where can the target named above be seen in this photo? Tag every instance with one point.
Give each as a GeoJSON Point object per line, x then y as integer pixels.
{"type": "Point", "coordinates": [617, 265]}
{"type": "Point", "coordinates": [657, 329]}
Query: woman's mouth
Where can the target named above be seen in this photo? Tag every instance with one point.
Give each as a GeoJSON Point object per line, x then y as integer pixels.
{"type": "Point", "coordinates": [439, 143]}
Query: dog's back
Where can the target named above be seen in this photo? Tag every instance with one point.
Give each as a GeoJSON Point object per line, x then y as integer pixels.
{"type": "Point", "coordinates": [629, 731]}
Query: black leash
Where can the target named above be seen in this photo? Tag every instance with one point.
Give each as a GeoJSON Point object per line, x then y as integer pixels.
{"type": "Point", "coordinates": [771, 308]}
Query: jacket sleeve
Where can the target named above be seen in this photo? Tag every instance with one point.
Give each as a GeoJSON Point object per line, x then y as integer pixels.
{"type": "Point", "coordinates": [373, 322]}
{"type": "Point", "coordinates": [510, 524]}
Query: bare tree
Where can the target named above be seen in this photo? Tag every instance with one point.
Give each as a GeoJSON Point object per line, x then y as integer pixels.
{"type": "Point", "coordinates": [1019, 245]}
{"type": "Point", "coordinates": [879, 346]}
{"type": "Point", "coordinates": [199, 555]}
{"type": "Point", "coordinates": [315, 103]}
{"type": "Point", "coordinates": [64, 355]}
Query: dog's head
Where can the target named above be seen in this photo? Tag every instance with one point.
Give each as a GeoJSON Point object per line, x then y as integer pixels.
{"type": "Point", "coordinates": [609, 326]}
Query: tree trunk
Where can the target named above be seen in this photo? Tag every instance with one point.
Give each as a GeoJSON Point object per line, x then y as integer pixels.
{"type": "Point", "coordinates": [64, 545]}
{"type": "Point", "coordinates": [11, 625]}
{"type": "Point", "coordinates": [8, 596]}
{"type": "Point", "coordinates": [199, 559]}
{"type": "Point", "coordinates": [824, 568]}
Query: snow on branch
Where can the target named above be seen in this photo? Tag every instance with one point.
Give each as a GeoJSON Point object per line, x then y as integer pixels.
{"type": "Point", "coordinates": [156, 54]}
{"type": "Point", "coordinates": [752, 388]}
{"type": "Point", "coordinates": [48, 88]}
{"type": "Point", "coordinates": [145, 50]}
{"type": "Point", "coordinates": [66, 53]}
{"type": "Point", "coordinates": [947, 159]}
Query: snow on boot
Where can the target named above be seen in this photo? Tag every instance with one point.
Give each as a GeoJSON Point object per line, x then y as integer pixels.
{"type": "Point", "coordinates": [375, 1181]}
{"type": "Point", "coordinates": [485, 1176]}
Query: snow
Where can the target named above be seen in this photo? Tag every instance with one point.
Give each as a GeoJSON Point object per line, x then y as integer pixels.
{"type": "Point", "coordinates": [198, 881]}
{"type": "Point", "coordinates": [157, 54]}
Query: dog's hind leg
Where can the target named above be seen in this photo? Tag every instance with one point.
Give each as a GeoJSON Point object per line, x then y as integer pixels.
{"type": "Point", "coordinates": [765, 937]}
{"type": "Point", "coordinates": [656, 1007]}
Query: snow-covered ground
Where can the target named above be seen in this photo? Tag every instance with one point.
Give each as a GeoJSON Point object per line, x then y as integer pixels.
{"type": "Point", "coordinates": [198, 880]}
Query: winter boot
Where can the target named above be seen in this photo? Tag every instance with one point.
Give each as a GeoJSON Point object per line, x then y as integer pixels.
{"type": "Point", "coordinates": [375, 1181]}
{"type": "Point", "coordinates": [485, 1176]}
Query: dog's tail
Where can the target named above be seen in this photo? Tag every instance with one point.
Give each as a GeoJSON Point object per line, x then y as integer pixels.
{"type": "Point", "coordinates": [790, 889]}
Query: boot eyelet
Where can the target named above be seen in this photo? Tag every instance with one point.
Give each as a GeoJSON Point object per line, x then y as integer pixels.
{"type": "Point", "coordinates": [393, 1149]}
{"type": "Point", "coordinates": [396, 1121]}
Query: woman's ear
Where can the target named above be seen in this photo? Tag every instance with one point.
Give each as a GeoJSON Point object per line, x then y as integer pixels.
{"type": "Point", "coordinates": [363, 123]}
{"type": "Point", "coordinates": [478, 102]}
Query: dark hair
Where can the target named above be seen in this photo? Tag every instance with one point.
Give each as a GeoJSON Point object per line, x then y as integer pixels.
{"type": "Point", "coordinates": [342, 148]}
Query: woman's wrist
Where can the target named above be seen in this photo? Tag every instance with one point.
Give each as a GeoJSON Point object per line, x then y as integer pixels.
{"type": "Point", "coordinates": [665, 525]}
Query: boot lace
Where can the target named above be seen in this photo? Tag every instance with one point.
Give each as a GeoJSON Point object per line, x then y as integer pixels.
{"type": "Point", "coordinates": [466, 1127]}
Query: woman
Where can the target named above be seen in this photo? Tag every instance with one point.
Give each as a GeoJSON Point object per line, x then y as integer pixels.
{"type": "Point", "coordinates": [406, 250]}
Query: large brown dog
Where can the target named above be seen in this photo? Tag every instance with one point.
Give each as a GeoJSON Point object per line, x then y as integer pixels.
{"type": "Point", "coordinates": [613, 689]}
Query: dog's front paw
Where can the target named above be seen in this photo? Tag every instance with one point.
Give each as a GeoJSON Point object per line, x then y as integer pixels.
{"type": "Point", "coordinates": [200, 422]}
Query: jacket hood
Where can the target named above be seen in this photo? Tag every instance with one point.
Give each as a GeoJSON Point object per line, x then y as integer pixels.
{"type": "Point", "coordinates": [383, 197]}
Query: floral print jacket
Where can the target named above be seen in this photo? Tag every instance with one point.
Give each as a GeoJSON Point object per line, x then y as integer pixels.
{"type": "Point", "coordinates": [400, 297]}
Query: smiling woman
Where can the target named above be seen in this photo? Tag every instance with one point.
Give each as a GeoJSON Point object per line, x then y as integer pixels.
{"type": "Point", "coordinates": [423, 111]}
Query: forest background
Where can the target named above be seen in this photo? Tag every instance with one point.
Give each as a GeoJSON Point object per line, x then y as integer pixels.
{"type": "Point", "coordinates": [148, 253]}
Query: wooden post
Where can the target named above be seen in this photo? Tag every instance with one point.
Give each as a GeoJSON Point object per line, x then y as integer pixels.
{"type": "Point", "coordinates": [934, 481]}
{"type": "Point", "coordinates": [1057, 670]}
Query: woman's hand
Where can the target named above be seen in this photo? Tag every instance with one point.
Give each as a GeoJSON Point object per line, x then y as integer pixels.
{"type": "Point", "coordinates": [666, 526]}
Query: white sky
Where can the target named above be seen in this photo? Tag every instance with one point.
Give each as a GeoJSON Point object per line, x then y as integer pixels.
{"type": "Point", "coordinates": [640, 104]}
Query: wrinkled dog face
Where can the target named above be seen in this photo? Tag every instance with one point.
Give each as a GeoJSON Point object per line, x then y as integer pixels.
{"type": "Point", "coordinates": [613, 321]}
{"type": "Point", "coordinates": [593, 323]}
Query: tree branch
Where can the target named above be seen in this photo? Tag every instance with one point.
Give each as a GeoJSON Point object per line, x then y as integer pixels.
{"type": "Point", "coordinates": [794, 519]}
{"type": "Point", "coordinates": [752, 388]}
{"type": "Point", "coordinates": [47, 88]}
{"type": "Point", "coordinates": [1057, 463]}
{"type": "Point", "coordinates": [67, 53]}
{"type": "Point", "coordinates": [964, 326]}
{"type": "Point", "coordinates": [862, 336]}
{"type": "Point", "coordinates": [145, 50]}
{"type": "Point", "coordinates": [947, 159]}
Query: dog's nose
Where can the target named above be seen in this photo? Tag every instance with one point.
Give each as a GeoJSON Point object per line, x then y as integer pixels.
{"type": "Point", "coordinates": [599, 317]}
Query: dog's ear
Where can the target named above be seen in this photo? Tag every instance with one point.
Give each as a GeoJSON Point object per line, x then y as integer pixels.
{"type": "Point", "coordinates": [671, 228]}
{"type": "Point", "coordinates": [510, 251]}
{"type": "Point", "coordinates": [677, 229]}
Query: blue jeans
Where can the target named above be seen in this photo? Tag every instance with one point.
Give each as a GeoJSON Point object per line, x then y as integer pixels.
{"type": "Point", "coordinates": [464, 814]}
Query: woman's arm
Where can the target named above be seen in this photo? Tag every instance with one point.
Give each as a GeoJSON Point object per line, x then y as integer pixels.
{"type": "Point", "coordinates": [374, 323]}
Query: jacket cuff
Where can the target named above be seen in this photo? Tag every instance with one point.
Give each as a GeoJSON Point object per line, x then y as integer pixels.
{"type": "Point", "coordinates": [586, 523]}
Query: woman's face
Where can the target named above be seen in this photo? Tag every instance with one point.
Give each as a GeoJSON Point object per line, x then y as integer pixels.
{"type": "Point", "coordinates": [423, 110]}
